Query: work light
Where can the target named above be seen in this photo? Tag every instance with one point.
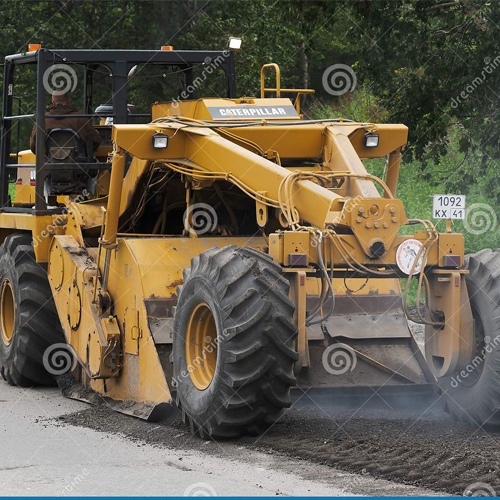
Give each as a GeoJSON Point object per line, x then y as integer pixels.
{"type": "Point", "coordinates": [160, 141]}
{"type": "Point", "coordinates": [234, 43]}
{"type": "Point", "coordinates": [371, 140]}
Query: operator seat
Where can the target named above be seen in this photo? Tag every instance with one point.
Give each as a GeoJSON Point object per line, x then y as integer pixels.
{"type": "Point", "coordinates": [64, 145]}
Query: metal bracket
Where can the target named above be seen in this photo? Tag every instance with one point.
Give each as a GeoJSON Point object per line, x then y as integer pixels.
{"type": "Point", "coordinates": [298, 294]}
{"type": "Point", "coordinates": [132, 331]}
{"type": "Point", "coordinates": [261, 210]}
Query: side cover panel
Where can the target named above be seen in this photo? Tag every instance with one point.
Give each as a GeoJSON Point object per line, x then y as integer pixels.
{"type": "Point", "coordinates": [138, 375]}
{"type": "Point", "coordinates": [143, 278]}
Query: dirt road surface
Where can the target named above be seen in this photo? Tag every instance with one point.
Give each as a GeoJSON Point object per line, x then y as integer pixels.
{"type": "Point", "coordinates": [55, 446]}
{"type": "Point", "coordinates": [406, 442]}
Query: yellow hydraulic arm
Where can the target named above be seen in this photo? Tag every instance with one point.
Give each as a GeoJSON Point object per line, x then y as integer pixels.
{"type": "Point", "coordinates": [205, 150]}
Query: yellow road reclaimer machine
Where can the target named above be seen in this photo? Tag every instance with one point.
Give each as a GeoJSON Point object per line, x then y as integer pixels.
{"type": "Point", "coordinates": [227, 251]}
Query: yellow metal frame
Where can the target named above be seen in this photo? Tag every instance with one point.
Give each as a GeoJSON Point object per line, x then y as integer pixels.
{"type": "Point", "coordinates": [102, 291]}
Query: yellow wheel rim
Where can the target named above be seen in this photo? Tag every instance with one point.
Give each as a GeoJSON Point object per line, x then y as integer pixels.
{"type": "Point", "coordinates": [201, 346]}
{"type": "Point", "coordinates": [7, 312]}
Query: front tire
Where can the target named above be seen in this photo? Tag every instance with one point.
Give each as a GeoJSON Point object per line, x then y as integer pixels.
{"type": "Point", "coordinates": [28, 318]}
{"type": "Point", "coordinates": [234, 343]}
{"type": "Point", "coordinates": [473, 395]}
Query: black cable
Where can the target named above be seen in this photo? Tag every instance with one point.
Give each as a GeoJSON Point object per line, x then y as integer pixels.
{"type": "Point", "coordinates": [360, 288]}
{"type": "Point", "coordinates": [330, 287]}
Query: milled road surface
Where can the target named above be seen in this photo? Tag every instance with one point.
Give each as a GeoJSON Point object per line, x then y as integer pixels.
{"type": "Point", "coordinates": [401, 440]}
{"type": "Point", "coordinates": [415, 444]}
{"type": "Point", "coordinates": [54, 446]}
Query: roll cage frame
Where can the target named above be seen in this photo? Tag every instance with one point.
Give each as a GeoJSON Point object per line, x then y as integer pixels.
{"type": "Point", "coordinates": [119, 63]}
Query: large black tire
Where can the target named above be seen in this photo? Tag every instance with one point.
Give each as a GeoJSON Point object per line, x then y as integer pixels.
{"type": "Point", "coordinates": [247, 296]}
{"type": "Point", "coordinates": [472, 396]}
{"type": "Point", "coordinates": [32, 325]}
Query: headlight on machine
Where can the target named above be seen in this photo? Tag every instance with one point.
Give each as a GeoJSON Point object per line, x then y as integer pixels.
{"type": "Point", "coordinates": [371, 140]}
{"type": "Point", "coordinates": [160, 141]}
{"type": "Point", "coordinates": [234, 43]}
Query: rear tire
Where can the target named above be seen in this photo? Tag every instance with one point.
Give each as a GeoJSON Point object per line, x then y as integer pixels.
{"type": "Point", "coordinates": [28, 320]}
{"type": "Point", "coordinates": [234, 343]}
{"type": "Point", "coordinates": [473, 396]}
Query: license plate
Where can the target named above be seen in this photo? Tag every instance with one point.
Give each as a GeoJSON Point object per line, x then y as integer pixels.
{"type": "Point", "coordinates": [448, 206]}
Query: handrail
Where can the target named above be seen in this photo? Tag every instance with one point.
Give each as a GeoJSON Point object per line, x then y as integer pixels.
{"type": "Point", "coordinates": [78, 166]}
{"type": "Point", "coordinates": [278, 89]}
{"type": "Point", "coordinates": [18, 117]}
{"type": "Point", "coordinates": [77, 115]}
{"type": "Point", "coordinates": [262, 80]}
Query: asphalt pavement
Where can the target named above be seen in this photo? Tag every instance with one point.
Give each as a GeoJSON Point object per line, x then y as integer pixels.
{"type": "Point", "coordinates": [40, 455]}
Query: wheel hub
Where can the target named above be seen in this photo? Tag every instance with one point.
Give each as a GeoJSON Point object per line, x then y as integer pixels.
{"type": "Point", "coordinates": [201, 346]}
{"type": "Point", "coordinates": [7, 312]}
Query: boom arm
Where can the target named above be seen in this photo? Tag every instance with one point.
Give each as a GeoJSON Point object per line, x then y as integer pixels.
{"type": "Point", "coordinates": [210, 152]}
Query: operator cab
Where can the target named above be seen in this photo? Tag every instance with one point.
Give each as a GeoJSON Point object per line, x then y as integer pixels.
{"type": "Point", "coordinates": [65, 166]}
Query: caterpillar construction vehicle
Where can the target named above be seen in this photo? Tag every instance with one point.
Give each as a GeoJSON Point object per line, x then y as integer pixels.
{"type": "Point", "coordinates": [217, 254]}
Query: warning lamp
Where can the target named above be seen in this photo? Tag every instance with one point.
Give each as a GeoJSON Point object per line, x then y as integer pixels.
{"type": "Point", "coordinates": [33, 47]}
{"type": "Point", "coordinates": [167, 47]}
